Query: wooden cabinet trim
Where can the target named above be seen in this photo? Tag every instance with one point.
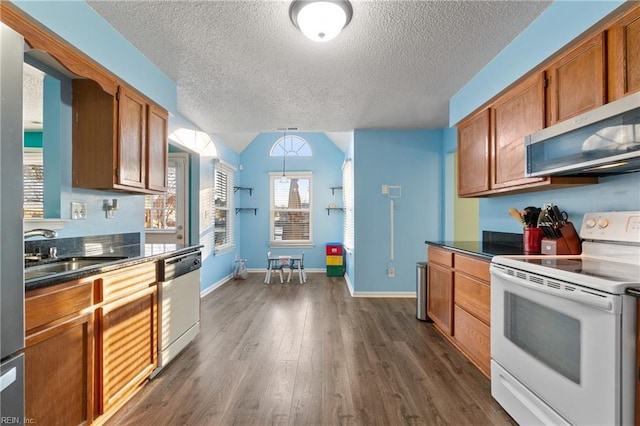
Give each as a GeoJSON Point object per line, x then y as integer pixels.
{"type": "Point", "coordinates": [42, 39]}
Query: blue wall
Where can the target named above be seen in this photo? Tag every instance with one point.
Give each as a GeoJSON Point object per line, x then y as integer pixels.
{"type": "Point", "coordinates": [326, 166]}
{"type": "Point", "coordinates": [412, 160]}
{"type": "Point", "coordinates": [558, 25]}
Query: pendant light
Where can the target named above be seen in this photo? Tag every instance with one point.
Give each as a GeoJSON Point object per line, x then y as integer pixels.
{"type": "Point", "coordinates": [320, 20]}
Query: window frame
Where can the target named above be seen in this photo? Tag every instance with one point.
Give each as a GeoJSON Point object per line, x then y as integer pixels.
{"type": "Point", "coordinates": [220, 166]}
{"type": "Point", "coordinates": [348, 230]}
{"type": "Point", "coordinates": [273, 176]}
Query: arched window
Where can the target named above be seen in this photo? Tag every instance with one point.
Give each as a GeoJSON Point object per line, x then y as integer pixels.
{"type": "Point", "coordinates": [291, 146]}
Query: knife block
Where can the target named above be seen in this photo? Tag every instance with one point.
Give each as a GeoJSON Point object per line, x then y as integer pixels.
{"type": "Point", "coordinates": [569, 243]}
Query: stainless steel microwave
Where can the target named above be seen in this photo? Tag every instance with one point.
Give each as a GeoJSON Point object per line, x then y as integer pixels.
{"type": "Point", "coordinates": [601, 142]}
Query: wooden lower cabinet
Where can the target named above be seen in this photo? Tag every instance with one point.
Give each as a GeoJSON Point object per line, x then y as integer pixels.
{"type": "Point", "coordinates": [89, 345]}
{"type": "Point", "coordinates": [127, 346]}
{"type": "Point", "coordinates": [59, 354]}
{"type": "Point", "coordinates": [461, 305]}
{"type": "Point", "coordinates": [439, 299]}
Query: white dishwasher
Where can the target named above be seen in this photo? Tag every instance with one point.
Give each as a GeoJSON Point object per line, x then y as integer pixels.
{"type": "Point", "coordinates": [179, 300]}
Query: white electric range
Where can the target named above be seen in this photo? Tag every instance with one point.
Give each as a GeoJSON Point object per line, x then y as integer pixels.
{"type": "Point", "coordinates": [563, 328]}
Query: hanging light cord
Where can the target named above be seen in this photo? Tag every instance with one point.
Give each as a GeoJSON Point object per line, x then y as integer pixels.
{"type": "Point", "coordinates": [284, 153]}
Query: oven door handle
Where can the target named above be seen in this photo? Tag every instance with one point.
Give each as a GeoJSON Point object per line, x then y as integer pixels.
{"type": "Point", "coordinates": [584, 299]}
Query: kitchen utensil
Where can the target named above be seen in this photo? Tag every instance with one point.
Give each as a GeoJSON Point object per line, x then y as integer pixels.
{"type": "Point", "coordinates": [514, 213]}
{"type": "Point", "coordinates": [560, 216]}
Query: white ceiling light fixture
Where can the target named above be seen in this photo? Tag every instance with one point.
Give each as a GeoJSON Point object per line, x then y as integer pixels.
{"type": "Point", "coordinates": [320, 20]}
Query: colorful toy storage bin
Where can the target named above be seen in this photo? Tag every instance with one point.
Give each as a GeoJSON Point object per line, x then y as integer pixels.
{"type": "Point", "coordinates": [335, 260]}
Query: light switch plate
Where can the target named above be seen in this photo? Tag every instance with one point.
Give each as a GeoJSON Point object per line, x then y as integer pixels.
{"type": "Point", "coordinates": [78, 210]}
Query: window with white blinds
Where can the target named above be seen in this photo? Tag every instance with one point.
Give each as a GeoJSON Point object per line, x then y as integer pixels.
{"type": "Point", "coordinates": [223, 207]}
{"type": "Point", "coordinates": [33, 176]}
{"type": "Point", "coordinates": [290, 209]}
{"type": "Point", "coordinates": [347, 202]}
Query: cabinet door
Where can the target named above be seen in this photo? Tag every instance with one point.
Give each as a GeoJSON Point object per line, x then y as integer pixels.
{"type": "Point", "coordinates": [131, 147]}
{"type": "Point", "coordinates": [474, 337]}
{"type": "Point", "coordinates": [517, 114]}
{"type": "Point", "coordinates": [59, 373]}
{"type": "Point", "coordinates": [473, 154]}
{"type": "Point", "coordinates": [440, 296]}
{"type": "Point", "coordinates": [128, 346]}
{"type": "Point", "coordinates": [624, 55]}
{"type": "Point", "coordinates": [157, 122]}
{"type": "Point", "coordinates": [576, 81]}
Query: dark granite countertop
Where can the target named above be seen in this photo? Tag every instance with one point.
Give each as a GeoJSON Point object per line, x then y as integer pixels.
{"type": "Point", "coordinates": [492, 244]}
{"type": "Point", "coordinates": [134, 256]}
{"type": "Point", "coordinates": [477, 248]}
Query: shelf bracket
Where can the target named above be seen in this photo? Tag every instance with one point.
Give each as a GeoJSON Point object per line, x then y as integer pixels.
{"type": "Point", "coordinates": [255, 210]}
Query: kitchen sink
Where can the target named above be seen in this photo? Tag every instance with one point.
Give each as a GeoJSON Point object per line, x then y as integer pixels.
{"type": "Point", "coordinates": [66, 264]}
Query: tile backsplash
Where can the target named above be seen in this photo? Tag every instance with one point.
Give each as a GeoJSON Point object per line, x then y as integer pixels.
{"type": "Point", "coordinates": [96, 245]}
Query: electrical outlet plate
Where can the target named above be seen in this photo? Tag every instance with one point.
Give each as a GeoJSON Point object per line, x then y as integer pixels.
{"type": "Point", "coordinates": [78, 210]}
{"type": "Point", "coordinates": [391, 272]}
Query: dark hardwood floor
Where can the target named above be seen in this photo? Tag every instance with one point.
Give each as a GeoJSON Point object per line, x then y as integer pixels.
{"type": "Point", "coordinates": [311, 354]}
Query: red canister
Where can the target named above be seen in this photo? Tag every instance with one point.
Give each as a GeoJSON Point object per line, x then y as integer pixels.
{"type": "Point", "coordinates": [532, 240]}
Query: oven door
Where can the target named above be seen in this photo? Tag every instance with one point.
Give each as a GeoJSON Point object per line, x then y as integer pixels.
{"type": "Point", "coordinates": [559, 345]}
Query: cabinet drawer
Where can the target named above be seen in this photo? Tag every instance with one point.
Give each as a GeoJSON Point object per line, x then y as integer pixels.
{"type": "Point", "coordinates": [473, 266]}
{"type": "Point", "coordinates": [474, 296]}
{"type": "Point", "coordinates": [48, 304]}
{"type": "Point", "coordinates": [474, 338]}
{"type": "Point", "coordinates": [438, 255]}
{"type": "Point", "coordinates": [128, 280]}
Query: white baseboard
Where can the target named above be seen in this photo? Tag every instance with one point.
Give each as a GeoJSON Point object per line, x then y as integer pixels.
{"type": "Point", "coordinates": [349, 283]}
{"type": "Point", "coordinates": [388, 294]}
{"type": "Point", "coordinates": [215, 285]}
{"type": "Point", "coordinates": [308, 270]}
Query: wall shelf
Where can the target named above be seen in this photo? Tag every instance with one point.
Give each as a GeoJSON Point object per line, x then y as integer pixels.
{"type": "Point", "coordinates": [239, 209]}
{"type": "Point", "coordinates": [334, 189]}
{"type": "Point", "coordinates": [243, 188]}
{"type": "Point", "coordinates": [333, 208]}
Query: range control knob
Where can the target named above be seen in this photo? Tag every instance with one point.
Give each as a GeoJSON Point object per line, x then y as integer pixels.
{"type": "Point", "coordinates": [591, 223]}
{"type": "Point", "coordinates": [603, 223]}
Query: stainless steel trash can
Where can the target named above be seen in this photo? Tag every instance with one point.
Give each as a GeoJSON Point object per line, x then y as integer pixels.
{"type": "Point", "coordinates": [421, 291]}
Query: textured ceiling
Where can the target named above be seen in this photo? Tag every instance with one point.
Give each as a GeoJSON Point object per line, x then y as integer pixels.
{"type": "Point", "coordinates": [241, 67]}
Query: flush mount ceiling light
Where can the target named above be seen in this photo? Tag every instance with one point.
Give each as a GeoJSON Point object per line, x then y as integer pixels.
{"type": "Point", "coordinates": [320, 20]}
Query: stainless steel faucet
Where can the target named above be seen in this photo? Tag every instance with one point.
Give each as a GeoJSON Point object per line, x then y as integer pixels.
{"type": "Point", "coordinates": [47, 233]}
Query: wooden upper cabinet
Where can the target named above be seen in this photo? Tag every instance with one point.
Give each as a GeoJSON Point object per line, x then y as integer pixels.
{"type": "Point", "coordinates": [113, 149]}
{"type": "Point", "coordinates": [130, 170]}
{"type": "Point", "coordinates": [576, 82]}
{"type": "Point", "coordinates": [473, 154]}
{"type": "Point", "coordinates": [516, 114]}
{"type": "Point", "coordinates": [157, 148]}
{"type": "Point", "coordinates": [623, 55]}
